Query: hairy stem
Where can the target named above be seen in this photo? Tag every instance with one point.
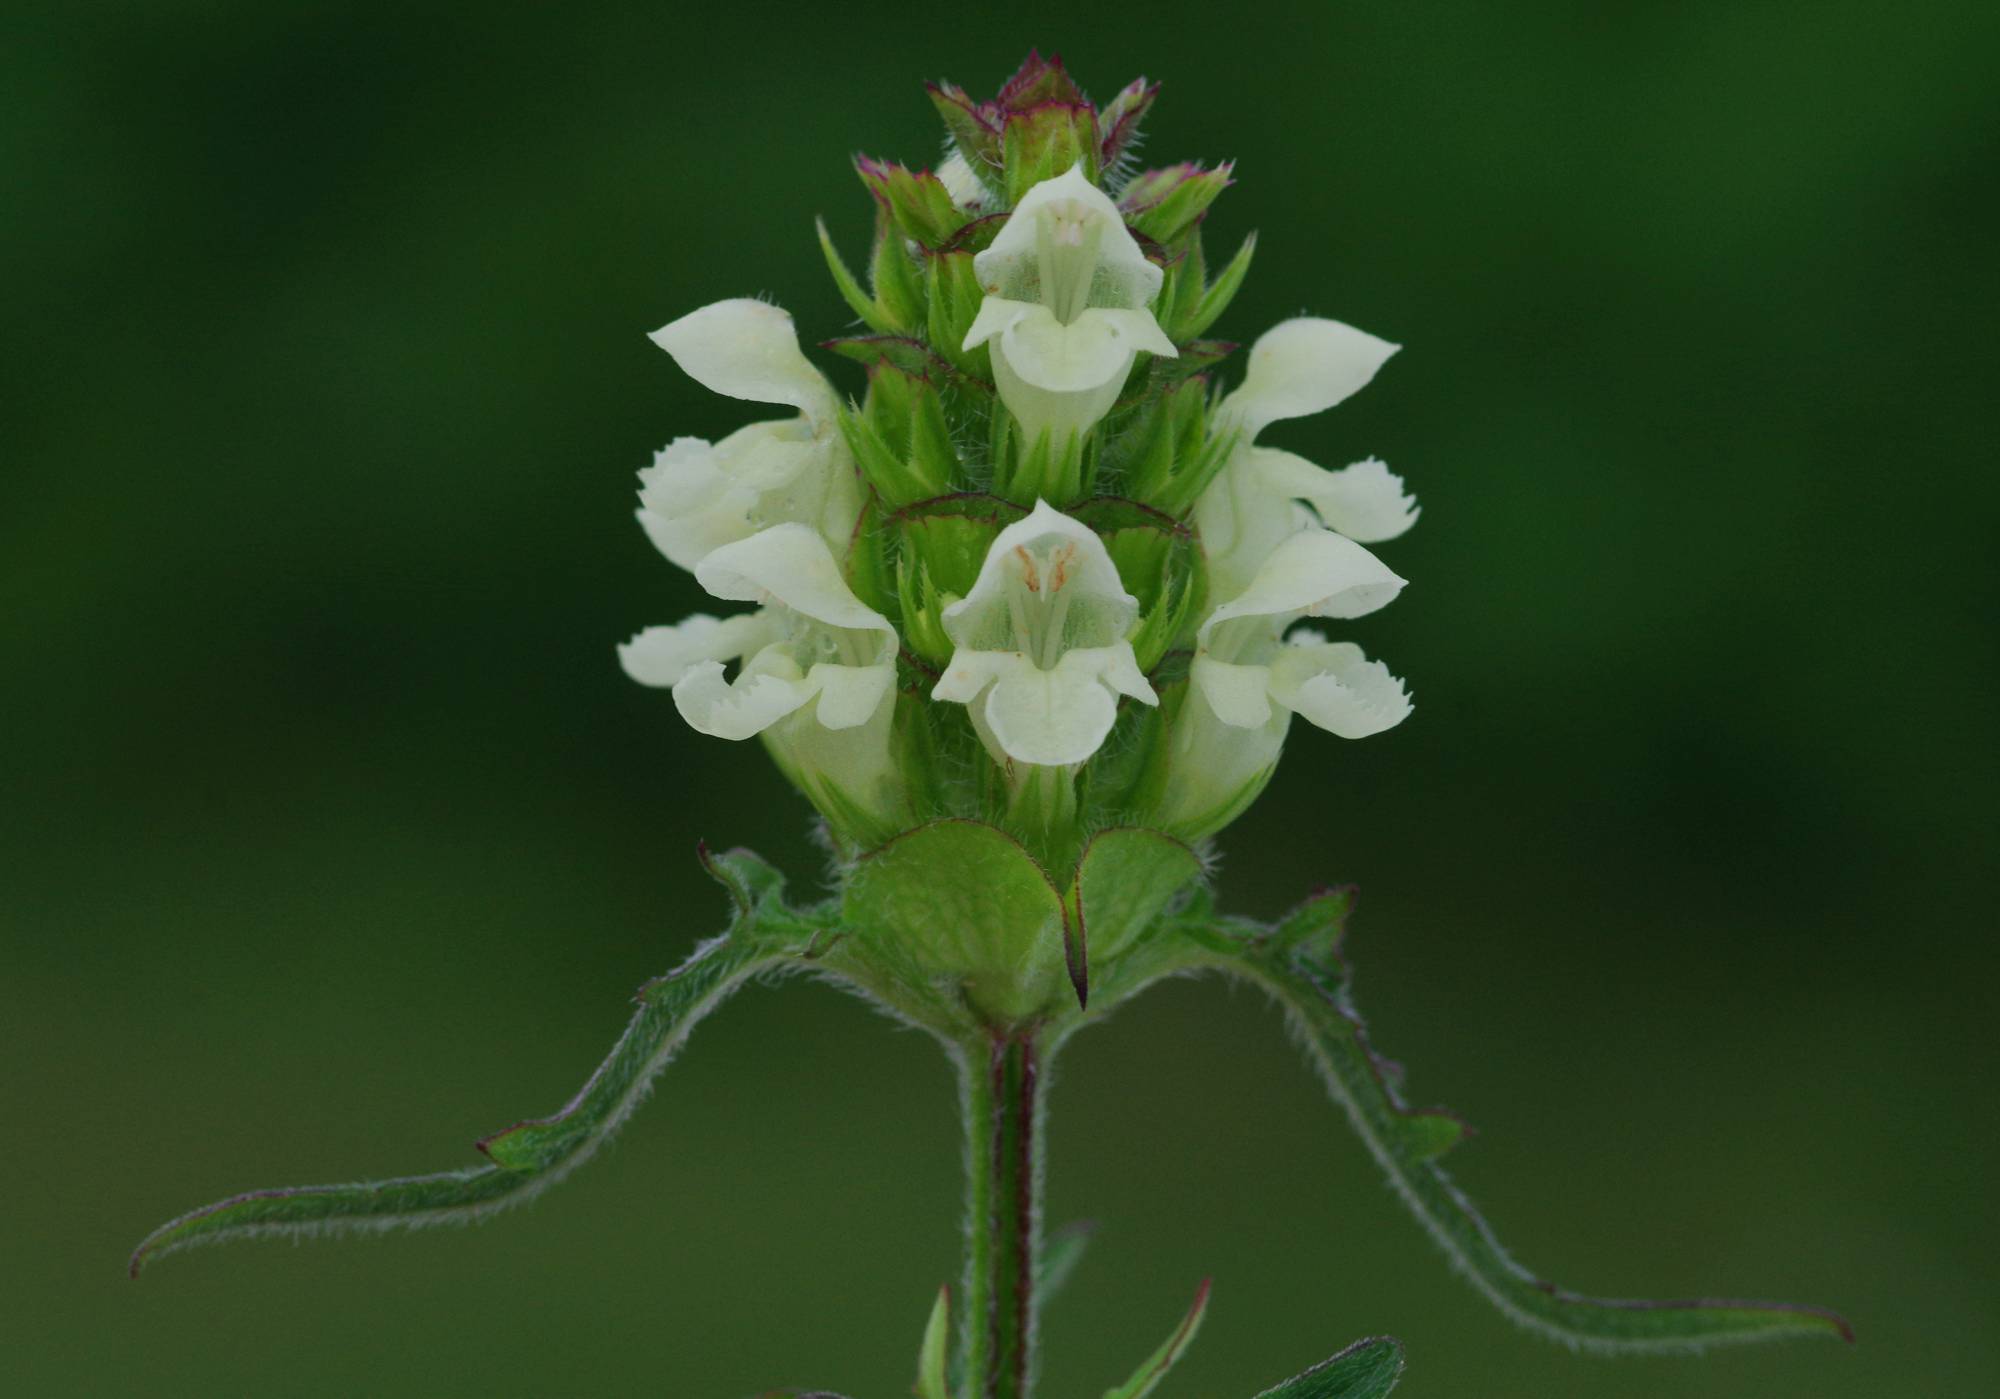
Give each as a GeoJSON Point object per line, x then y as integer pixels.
{"type": "Point", "coordinates": [1001, 1075]}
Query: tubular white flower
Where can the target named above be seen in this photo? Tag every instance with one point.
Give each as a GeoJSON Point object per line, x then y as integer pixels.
{"type": "Point", "coordinates": [1244, 671]}
{"type": "Point", "coordinates": [812, 640]}
{"type": "Point", "coordinates": [1067, 290]}
{"type": "Point", "coordinates": [1298, 367]}
{"type": "Point", "coordinates": [697, 495]}
{"type": "Point", "coordinates": [1041, 643]}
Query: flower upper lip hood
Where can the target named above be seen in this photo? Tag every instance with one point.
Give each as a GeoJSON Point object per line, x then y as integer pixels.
{"type": "Point", "coordinates": [698, 495]}
{"type": "Point", "coordinates": [1042, 649]}
{"type": "Point", "coordinates": [1303, 366]}
{"type": "Point", "coordinates": [1067, 289]}
{"type": "Point", "coordinates": [746, 348]}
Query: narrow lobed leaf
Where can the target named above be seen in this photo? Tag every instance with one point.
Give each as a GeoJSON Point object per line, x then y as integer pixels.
{"type": "Point", "coordinates": [532, 1155]}
{"type": "Point", "coordinates": [1313, 991]}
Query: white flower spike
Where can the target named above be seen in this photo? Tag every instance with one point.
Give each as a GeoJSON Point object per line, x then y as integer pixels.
{"type": "Point", "coordinates": [1042, 650]}
{"type": "Point", "coordinates": [1067, 291]}
{"type": "Point", "coordinates": [698, 496]}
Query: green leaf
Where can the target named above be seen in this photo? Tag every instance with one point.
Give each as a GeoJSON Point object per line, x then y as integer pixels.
{"type": "Point", "coordinates": [1165, 204]}
{"type": "Point", "coordinates": [892, 271]}
{"type": "Point", "coordinates": [953, 295]}
{"type": "Point", "coordinates": [532, 1155]}
{"type": "Point", "coordinates": [1315, 928]}
{"type": "Point", "coordinates": [882, 466]}
{"type": "Point", "coordinates": [909, 355]}
{"type": "Point", "coordinates": [1041, 142]}
{"type": "Point", "coordinates": [1162, 1360]}
{"type": "Point", "coordinates": [1037, 81]}
{"type": "Point", "coordinates": [1118, 123]}
{"type": "Point", "coordinates": [1061, 1252]}
{"type": "Point", "coordinates": [1215, 298]}
{"type": "Point", "coordinates": [972, 131]}
{"type": "Point", "coordinates": [858, 301]}
{"type": "Point", "coordinates": [1365, 1370]}
{"type": "Point", "coordinates": [1127, 876]}
{"type": "Point", "coordinates": [916, 199]}
{"type": "Point", "coordinates": [962, 900]}
{"type": "Point", "coordinates": [932, 1354]}
{"type": "Point", "coordinates": [1299, 966]}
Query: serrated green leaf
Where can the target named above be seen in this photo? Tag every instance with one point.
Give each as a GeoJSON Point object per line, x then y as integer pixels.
{"type": "Point", "coordinates": [932, 1355]}
{"type": "Point", "coordinates": [1365, 1370]}
{"type": "Point", "coordinates": [529, 1156]}
{"type": "Point", "coordinates": [1061, 1252]}
{"type": "Point", "coordinates": [1156, 1365]}
{"type": "Point", "coordinates": [1406, 1142]}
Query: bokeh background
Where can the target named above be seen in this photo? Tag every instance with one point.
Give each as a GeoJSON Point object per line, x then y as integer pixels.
{"type": "Point", "coordinates": [332, 836]}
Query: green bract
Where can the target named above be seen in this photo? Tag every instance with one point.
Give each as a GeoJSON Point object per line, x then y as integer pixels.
{"type": "Point", "coordinates": [1027, 622]}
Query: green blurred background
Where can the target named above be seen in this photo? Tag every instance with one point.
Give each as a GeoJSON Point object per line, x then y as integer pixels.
{"type": "Point", "coordinates": [332, 836]}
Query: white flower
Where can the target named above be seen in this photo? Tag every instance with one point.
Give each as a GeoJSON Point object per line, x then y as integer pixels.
{"type": "Point", "coordinates": [1042, 651]}
{"type": "Point", "coordinates": [813, 640]}
{"type": "Point", "coordinates": [698, 496]}
{"type": "Point", "coordinates": [1240, 666]}
{"type": "Point", "coordinates": [1299, 367]}
{"type": "Point", "coordinates": [1248, 678]}
{"type": "Point", "coordinates": [1065, 311]}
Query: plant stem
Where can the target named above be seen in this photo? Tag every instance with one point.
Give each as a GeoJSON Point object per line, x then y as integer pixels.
{"type": "Point", "coordinates": [1001, 1079]}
